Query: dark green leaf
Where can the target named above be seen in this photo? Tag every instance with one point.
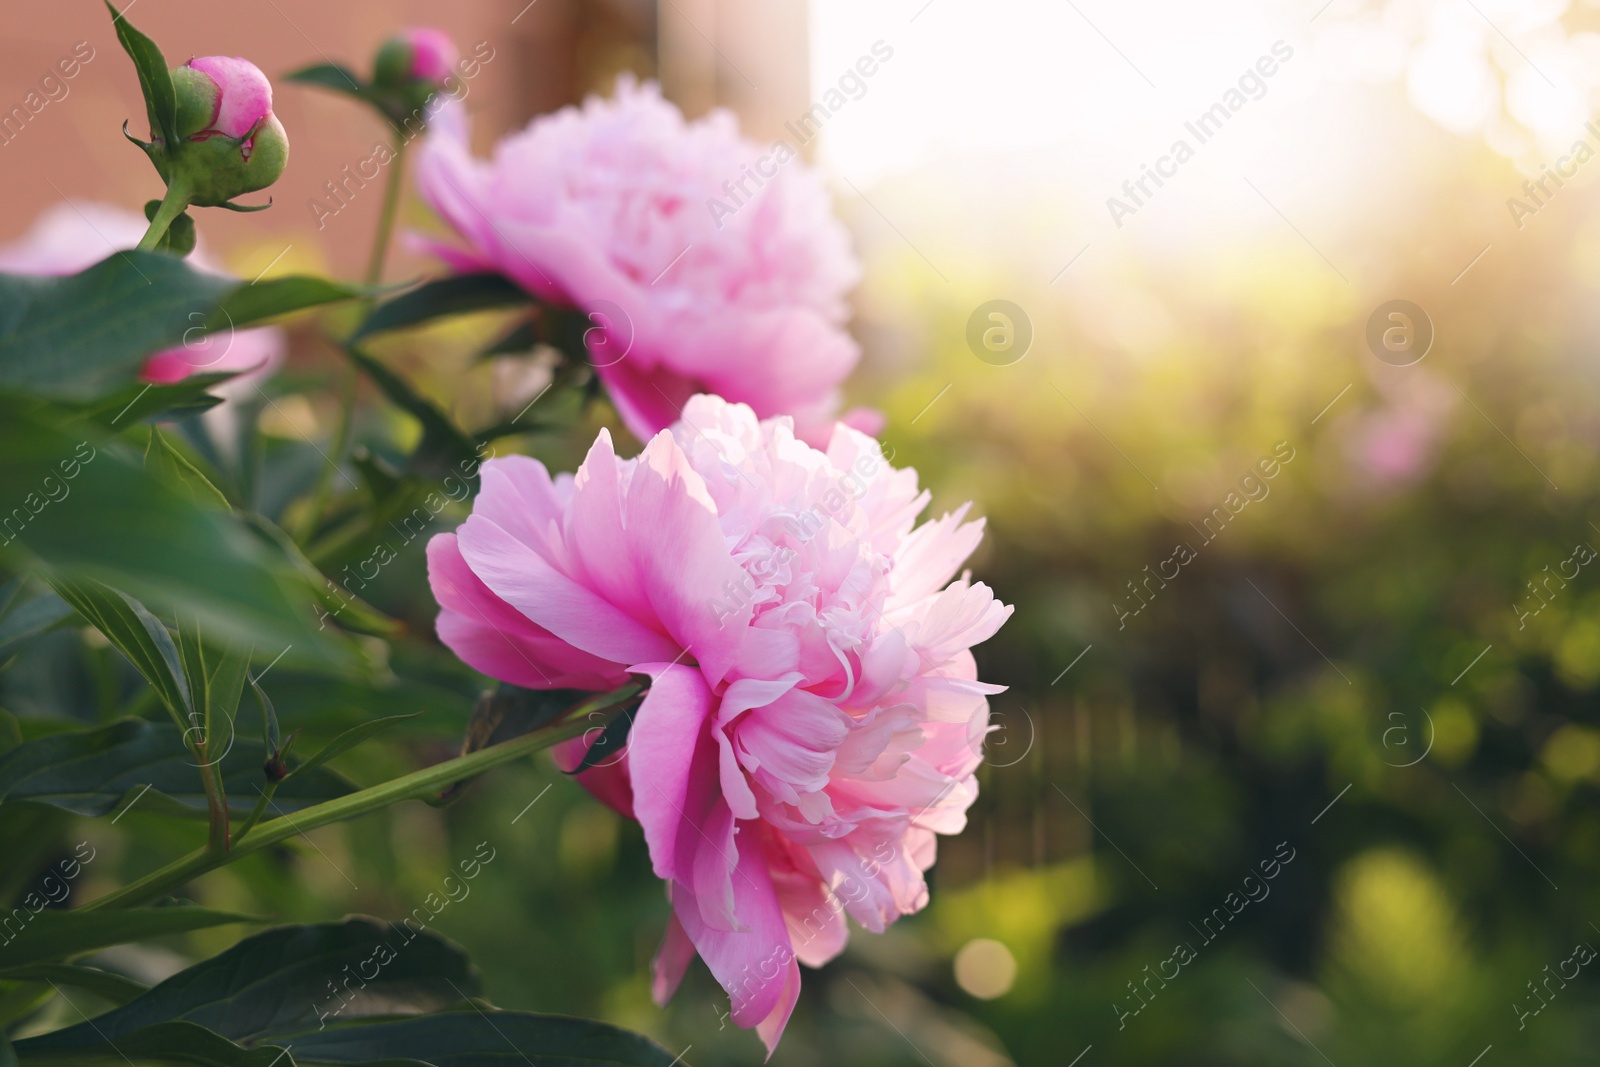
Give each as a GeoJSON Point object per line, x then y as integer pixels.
{"type": "Point", "coordinates": [106, 985]}
{"type": "Point", "coordinates": [137, 634]}
{"type": "Point", "coordinates": [473, 1038]}
{"type": "Point", "coordinates": [111, 521]}
{"type": "Point", "coordinates": [155, 81]}
{"type": "Point", "coordinates": [444, 448]}
{"type": "Point", "coordinates": [91, 772]}
{"type": "Point", "coordinates": [174, 468]}
{"type": "Point", "coordinates": [30, 619]}
{"type": "Point", "coordinates": [455, 295]}
{"type": "Point", "coordinates": [164, 1045]}
{"type": "Point", "coordinates": [348, 740]}
{"type": "Point", "coordinates": [53, 934]}
{"type": "Point", "coordinates": [80, 336]}
{"type": "Point", "coordinates": [521, 338]}
{"type": "Point", "coordinates": [8, 1058]}
{"type": "Point", "coordinates": [330, 76]}
{"type": "Point", "coordinates": [351, 611]}
{"type": "Point", "coordinates": [290, 979]}
{"type": "Point", "coordinates": [270, 734]}
{"type": "Point", "coordinates": [133, 404]}
{"type": "Point", "coordinates": [511, 711]}
{"type": "Point", "coordinates": [608, 745]}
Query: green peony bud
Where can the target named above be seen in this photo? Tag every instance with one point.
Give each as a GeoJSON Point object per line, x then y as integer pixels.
{"type": "Point", "coordinates": [229, 141]}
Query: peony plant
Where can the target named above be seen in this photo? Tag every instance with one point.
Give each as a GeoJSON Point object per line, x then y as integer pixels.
{"type": "Point", "coordinates": [739, 637]}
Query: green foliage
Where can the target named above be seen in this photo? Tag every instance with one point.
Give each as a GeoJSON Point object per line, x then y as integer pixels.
{"type": "Point", "coordinates": [57, 935]}
{"type": "Point", "coordinates": [135, 762]}
{"type": "Point", "coordinates": [458, 294]}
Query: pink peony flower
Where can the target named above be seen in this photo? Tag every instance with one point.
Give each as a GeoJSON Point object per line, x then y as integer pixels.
{"type": "Point", "coordinates": [814, 716]}
{"type": "Point", "coordinates": [241, 96]}
{"type": "Point", "coordinates": [710, 263]}
{"type": "Point", "coordinates": [70, 237]}
{"type": "Point", "coordinates": [433, 53]}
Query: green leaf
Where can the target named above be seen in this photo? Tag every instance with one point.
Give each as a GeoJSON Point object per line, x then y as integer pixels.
{"type": "Point", "coordinates": [257, 301]}
{"type": "Point", "coordinates": [455, 295]}
{"type": "Point", "coordinates": [511, 711]}
{"type": "Point", "coordinates": [91, 772]}
{"type": "Point", "coordinates": [521, 338]}
{"type": "Point", "coordinates": [174, 468]}
{"type": "Point", "coordinates": [155, 81]}
{"type": "Point", "coordinates": [137, 634]}
{"type": "Point", "coordinates": [348, 740]}
{"type": "Point", "coordinates": [28, 620]}
{"type": "Point", "coordinates": [111, 521]}
{"type": "Point", "coordinates": [476, 1038]}
{"type": "Point", "coordinates": [132, 404]}
{"type": "Point", "coordinates": [444, 448]}
{"type": "Point", "coordinates": [610, 742]}
{"type": "Point", "coordinates": [164, 1045]}
{"type": "Point", "coordinates": [8, 1058]}
{"type": "Point", "coordinates": [352, 612]}
{"type": "Point", "coordinates": [330, 76]}
{"type": "Point", "coordinates": [180, 236]}
{"type": "Point", "coordinates": [80, 336]}
{"type": "Point", "coordinates": [107, 985]}
{"type": "Point", "coordinates": [288, 980]}
{"type": "Point", "coordinates": [53, 935]}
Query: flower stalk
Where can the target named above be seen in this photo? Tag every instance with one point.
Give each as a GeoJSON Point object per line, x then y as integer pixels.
{"type": "Point", "coordinates": [414, 786]}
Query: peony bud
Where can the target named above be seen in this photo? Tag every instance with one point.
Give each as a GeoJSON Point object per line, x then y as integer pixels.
{"type": "Point", "coordinates": [230, 141]}
{"type": "Point", "coordinates": [417, 54]}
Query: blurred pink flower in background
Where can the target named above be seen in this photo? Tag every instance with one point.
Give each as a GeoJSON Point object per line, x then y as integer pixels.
{"type": "Point", "coordinates": [1397, 444]}
{"type": "Point", "coordinates": [609, 208]}
{"type": "Point", "coordinates": [814, 716]}
{"type": "Point", "coordinates": [71, 237]}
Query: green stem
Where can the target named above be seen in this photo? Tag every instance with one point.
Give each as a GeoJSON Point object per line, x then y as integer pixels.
{"type": "Point", "coordinates": [172, 205]}
{"type": "Point", "coordinates": [391, 203]}
{"type": "Point", "coordinates": [412, 786]}
{"type": "Point", "coordinates": [216, 804]}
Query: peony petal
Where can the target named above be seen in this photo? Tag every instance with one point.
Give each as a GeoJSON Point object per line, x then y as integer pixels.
{"type": "Point", "coordinates": [684, 565]}
{"type": "Point", "coordinates": [752, 963]}
{"type": "Point", "coordinates": [522, 578]}
{"type": "Point", "coordinates": [671, 961]}
{"type": "Point", "coordinates": [493, 637]}
{"type": "Point", "coordinates": [673, 767]}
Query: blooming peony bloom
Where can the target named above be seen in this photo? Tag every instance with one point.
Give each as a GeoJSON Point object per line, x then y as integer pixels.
{"type": "Point", "coordinates": [710, 263]}
{"type": "Point", "coordinates": [71, 237]}
{"type": "Point", "coordinates": [814, 716]}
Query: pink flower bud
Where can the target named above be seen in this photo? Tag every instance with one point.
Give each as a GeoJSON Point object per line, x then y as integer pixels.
{"type": "Point", "coordinates": [243, 94]}
{"type": "Point", "coordinates": [433, 53]}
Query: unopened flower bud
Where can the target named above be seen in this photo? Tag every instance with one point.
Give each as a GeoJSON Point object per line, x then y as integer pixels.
{"type": "Point", "coordinates": [417, 54]}
{"type": "Point", "coordinates": [229, 140]}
